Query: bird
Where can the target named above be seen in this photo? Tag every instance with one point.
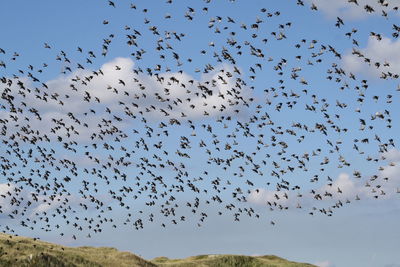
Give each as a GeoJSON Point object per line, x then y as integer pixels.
{"type": "Point", "coordinates": [142, 134]}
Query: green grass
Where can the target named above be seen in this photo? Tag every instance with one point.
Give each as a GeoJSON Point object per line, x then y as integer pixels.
{"type": "Point", "coordinates": [228, 260]}
{"type": "Point", "coordinates": [21, 251]}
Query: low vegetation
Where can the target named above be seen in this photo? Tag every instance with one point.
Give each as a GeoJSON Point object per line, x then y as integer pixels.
{"type": "Point", "coordinates": [21, 251]}
{"type": "Point", "coordinates": [228, 260]}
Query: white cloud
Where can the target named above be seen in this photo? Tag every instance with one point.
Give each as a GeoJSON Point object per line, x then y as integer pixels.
{"type": "Point", "coordinates": [159, 92]}
{"type": "Point", "coordinates": [4, 203]}
{"type": "Point", "coordinates": [7, 205]}
{"type": "Point", "coordinates": [324, 264]}
{"type": "Point", "coordinates": [348, 188]}
{"type": "Point", "coordinates": [392, 155]}
{"type": "Point", "coordinates": [343, 183]}
{"type": "Point", "coordinates": [346, 10]}
{"type": "Point", "coordinates": [39, 203]}
{"type": "Point", "coordinates": [344, 187]}
{"type": "Point", "coordinates": [119, 88]}
{"type": "Point", "coordinates": [391, 177]}
{"type": "Point", "coordinates": [383, 51]}
{"type": "Point", "coordinates": [385, 185]}
{"type": "Point", "coordinates": [262, 196]}
{"type": "Point", "coordinates": [4, 188]}
{"type": "Point", "coordinates": [43, 207]}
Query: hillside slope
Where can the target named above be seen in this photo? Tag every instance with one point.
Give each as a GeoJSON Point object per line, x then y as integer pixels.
{"type": "Point", "coordinates": [21, 251]}
{"type": "Point", "coordinates": [228, 260]}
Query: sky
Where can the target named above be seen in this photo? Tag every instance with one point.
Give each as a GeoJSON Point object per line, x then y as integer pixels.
{"type": "Point", "coordinates": [127, 130]}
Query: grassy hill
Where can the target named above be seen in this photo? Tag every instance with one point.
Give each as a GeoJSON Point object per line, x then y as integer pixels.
{"type": "Point", "coordinates": [22, 251]}
{"type": "Point", "coordinates": [228, 260]}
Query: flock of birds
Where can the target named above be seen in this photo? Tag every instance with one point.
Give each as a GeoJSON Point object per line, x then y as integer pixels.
{"type": "Point", "coordinates": [154, 144]}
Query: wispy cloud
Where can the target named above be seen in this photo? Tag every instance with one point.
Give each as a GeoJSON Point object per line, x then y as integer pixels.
{"type": "Point", "coordinates": [346, 10]}
{"type": "Point", "coordinates": [392, 155]}
{"type": "Point", "coordinates": [385, 51]}
{"type": "Point", "coordinates": [263, 196]}
{"type": "Point", "coordinates": [118, 92]}
{"type": "Point", "coordinates": [324, 264]}
{"type": "Point", "coordinates": [384, 185]}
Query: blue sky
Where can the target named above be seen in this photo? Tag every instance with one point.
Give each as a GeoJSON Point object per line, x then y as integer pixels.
{"type": "Point", "coordinates": [360, 233]}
